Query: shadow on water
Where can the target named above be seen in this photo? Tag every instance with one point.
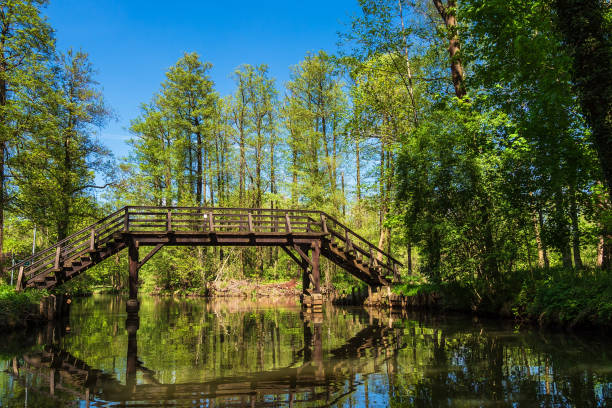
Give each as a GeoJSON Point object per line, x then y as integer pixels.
{"type": "Point", "coordinates": [245, 353]}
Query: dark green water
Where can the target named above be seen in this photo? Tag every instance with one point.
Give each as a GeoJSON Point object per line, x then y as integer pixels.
{"type": "Point", "coordinates": [242, 353]}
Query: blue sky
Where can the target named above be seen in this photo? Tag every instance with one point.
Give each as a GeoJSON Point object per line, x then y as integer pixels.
{"type": "Point", "coordinates": [133, 42]}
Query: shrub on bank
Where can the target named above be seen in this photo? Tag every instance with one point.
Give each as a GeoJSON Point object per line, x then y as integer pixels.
{"type": "Point", "coordinates": [19, 308]}
{"type": "Point", "coordinates": [568, 298]}
{"type": "Point", "coordinates": [553, 297]}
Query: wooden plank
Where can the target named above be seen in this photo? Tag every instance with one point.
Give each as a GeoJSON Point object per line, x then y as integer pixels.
{"type": "Point", "coordinates": [169, 220]}
{"type": "Point", "coordinates": [292, 255]}
{"type": "Point", "coordinates": [303, 255]}
{"type": "Point", "coordinates": [150, 254]}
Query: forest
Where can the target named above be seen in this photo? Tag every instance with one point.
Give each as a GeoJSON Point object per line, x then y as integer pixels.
{"type": "Point", "coordinates": [470, 138]}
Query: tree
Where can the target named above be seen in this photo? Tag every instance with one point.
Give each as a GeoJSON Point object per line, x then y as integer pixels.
{"type": "Point", "coordinates": [188, 97]}
{"type": "Point", "coordinates": [317, 108]}
{"type": "Point", "coordinates": [26, 41]}
{"type": "Point", "coordinates": [585, 26]}
{"type": "Point", "coordinates": [61, 157]}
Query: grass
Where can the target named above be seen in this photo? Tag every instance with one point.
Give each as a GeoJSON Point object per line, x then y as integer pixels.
{"type": "Point", "coordinates": [18, 309]}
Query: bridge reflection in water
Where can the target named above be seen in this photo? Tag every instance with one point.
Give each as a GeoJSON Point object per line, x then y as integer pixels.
{"type": "Point", "coordinates": [313, 378]}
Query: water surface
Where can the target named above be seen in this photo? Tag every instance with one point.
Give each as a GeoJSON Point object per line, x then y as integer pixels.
{"type": "Point", "coordinates": [206, 353]}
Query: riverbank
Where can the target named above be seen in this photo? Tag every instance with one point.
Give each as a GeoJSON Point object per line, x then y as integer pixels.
{"type": "Point", "coordinates": [238, 288]}
{"type": "Point", "coordinates": [19, 309]}
{"type": "Point", "coordinates": [553, 298]}
{"type": "Point", "coordinates": [30, 307]}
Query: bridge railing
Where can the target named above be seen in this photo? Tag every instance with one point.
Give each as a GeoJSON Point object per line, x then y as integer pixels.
{"type": "Point", "coordinates": [200, 220]}
{"type": "Point", "coordinates": [53, 257]}
{"type": "Point", "coordinates": [239, 220]}
{"type": "Point", "coordinates": [364, 249]}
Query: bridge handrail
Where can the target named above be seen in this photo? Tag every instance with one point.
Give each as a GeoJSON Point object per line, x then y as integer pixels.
{"type": "Point", "coordinates": [100, 231]}
{"type": "Point", "coordinates": [67, 239]}
{"type": "Point", "coordinates": [368, 243]}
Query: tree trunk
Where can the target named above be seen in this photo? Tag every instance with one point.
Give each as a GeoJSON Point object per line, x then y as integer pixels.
{"type": "Point", "coordinates": [241, 191]}
{"type": "Point", "coordinates": [343, 197]}
{"type": "Point", "coordinates": [575, 229]}
{"type": "Point", "coordinates": [450, 21]}
{"type": "Point", "coordinates": [542, 255]}
{"type": "Point", "coordinates": [211, 182]}
{"type": "Point", "coordinates": [2, 199]}
{"type": "Point", "coordinates": [408, 70]}
{"type": "Point", "coordinates": [3, 149]}
{"type": "Point", "coordinates": [583, 25]}
{"type": "Point", "coordinates": [357, 157]}
{"type": "Point", "coordinates": [409, 256]}
{"type": "Point", "coordinates": [199, 179]}
{"type": "Point", "coordinates": [383, 204]}
{"type": "Point", "coordinates": [604, 251]}
{"type": "Point", "coordinates": [294, 175]}
{"type": "Point", "coordinates": [544, 249]}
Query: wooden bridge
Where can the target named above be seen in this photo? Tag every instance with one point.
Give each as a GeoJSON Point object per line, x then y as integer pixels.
{"type": "Point", "coordinates": [304, 235]}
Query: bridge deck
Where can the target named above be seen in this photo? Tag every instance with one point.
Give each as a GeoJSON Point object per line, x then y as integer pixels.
{"type": "Point", "coordinates": [303, 234]}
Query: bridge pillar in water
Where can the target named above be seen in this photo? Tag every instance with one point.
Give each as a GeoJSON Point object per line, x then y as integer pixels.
{"type": "Point", "coordinates": [312, 299]}
{"type": "Point", "coordinates": [132, 303]}
{"type": "Point", "coordinates": [132, 324]}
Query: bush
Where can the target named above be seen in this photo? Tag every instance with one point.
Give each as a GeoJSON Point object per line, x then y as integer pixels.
{"type": "Point", "coordinates": [569, 298]}
{"type": "Point", "coordinates": [19, 308]}
{"type": "Point", "coordinates": [554, 296]}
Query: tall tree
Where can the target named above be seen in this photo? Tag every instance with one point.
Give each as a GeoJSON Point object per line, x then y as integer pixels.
{"type": "Point", "coordinates": [188, 97]}
{"type": "Point", "coordinates": [317, 106]}
{"type": "Point", "coordinates": [62, 157]}
{"type": "Point", "coordinates": [26, 41]}
{"type": "Point", "coordinates": [448, 13]}
{"type": "Point", "coordinates": [586, 25]}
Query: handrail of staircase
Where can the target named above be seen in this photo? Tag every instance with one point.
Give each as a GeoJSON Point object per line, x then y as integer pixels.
{"type": "Point", "coordinates": [67, 239]}
{"type": "Point", "coordinates": [368, 243]}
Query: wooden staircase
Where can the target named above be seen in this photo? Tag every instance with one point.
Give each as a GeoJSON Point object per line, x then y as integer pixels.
{"type": "Point", "coordinates": [296, 231]}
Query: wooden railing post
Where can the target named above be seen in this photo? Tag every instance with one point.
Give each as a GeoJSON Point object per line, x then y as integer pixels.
{"type": "Point", "coordinates": [126, 220]}
{"type": "Point", "coordinates": [211, 224]}
{"type": "Point", "coordinates": [287, 223]}
{"type": "Point", "coordinates": [349, 244]}
{"type": "Point", "coordinates": [92, 239]}
{"type": "Point", "coordinates": [250, 219]}
{"type": "Point", "coordinates": [169, 220]}
{"type": "Point", "coordinates": [324, 224]}
{"type": "Point", "coordinates": [19, 286]}
{"type": "Point", "coordinates": [58, 255]}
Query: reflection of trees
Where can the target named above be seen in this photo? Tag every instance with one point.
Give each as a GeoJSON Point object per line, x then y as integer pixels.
{"type": "Point", "coordinates": [241, 355]}
{"type": "Point", "coordinates": [319, 375]}
{"type": "Point", "coordinates": [482, 366]}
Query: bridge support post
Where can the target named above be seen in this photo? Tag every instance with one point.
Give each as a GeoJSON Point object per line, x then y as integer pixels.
{"type": "Point", "coordinates": [312, 299]}
{"type": "Point", "coordinates": [132, 323]}
{"type": "Point", "coordinates": [132, 303]}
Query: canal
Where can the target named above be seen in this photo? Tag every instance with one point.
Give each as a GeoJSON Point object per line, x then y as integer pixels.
{"type": "Point", "coordinates": [195, 352]}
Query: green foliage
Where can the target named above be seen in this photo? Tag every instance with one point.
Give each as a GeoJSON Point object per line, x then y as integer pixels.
{"type": "Point", "coordinates": [18, 308]}
{"type": "Point", "coordinates": [567, 297]}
